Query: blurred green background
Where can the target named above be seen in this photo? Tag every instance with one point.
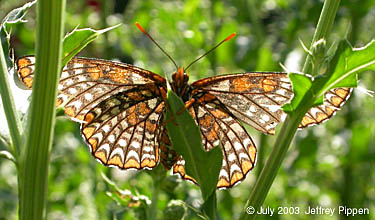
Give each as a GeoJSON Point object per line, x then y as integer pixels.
{"type": "Point", "coordinates": [329, 165]}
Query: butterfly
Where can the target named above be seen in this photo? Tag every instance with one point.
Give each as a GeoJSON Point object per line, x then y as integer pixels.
{"type": "Point", "coordinates": [121, 110]}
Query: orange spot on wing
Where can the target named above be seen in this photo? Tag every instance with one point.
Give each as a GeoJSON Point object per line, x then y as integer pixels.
{"type": "Point", "coordinates": [307, 120]}
{"type": "Point", "coordinates": [320, 116]}
{"type": "Point", "coordinates": [236, 177]}
{"type": "Point", "coordinates": [179, 169]}
{"type": "Point", "coordinates": [206, 121]}
{"type": "Point", "coordinates": [132, 118]}
{"type": "Point", "coordinates": [329, 110]}
{"type": "Point", "coordinates": [131, 163]}
{"type": "Point", "coordinates": [222, 183]}
{"type": "Point", "coordinates": [336, 101]}
{"type": "Point", "coordinates": [69, 111]}
{"type": "Point", "coordinates": [25, 71]}
{"type": "Point", "coordinates": [88, 132]}
{"type": "Point", "coordinates": [95, 73]}
{"type": "Point", "coordinates": [101, 156]}
{"type": "Point", "coordinates": [89, 117]}
{"type": "Point", "coordinates": [246, 166]}
{"type": "Point", "coordinates": [252, 152]}
{"type": "Point", "coordinates": [28, 82]}
{"type": "Point", "coordinates": [268, 85]}
{"type": "Point", "coordinates": [212, 136]}
{"type": "Point", "coordinates": [143, 108]}
{"type": "Point", "coordinates": [150, 127]}
{"type": "Point", "coordinates": [242, 85]}
{"type": "Point", "coordinates": [342, 92]}
{"type": "Point", "coordinates": [59, 102]}
{"type": "Point", "coordinates": [218, 113]}
{"type": "Point", "coordinates": [23, 62]}
{"type": "Point", "coordinates": [115, 160]}
{"type": "Point", "coordinates": [93, 143]}
{"type": "Point", "coordinates": [136, 96]}
{"type": "Point", "coordinates": [148, 163]}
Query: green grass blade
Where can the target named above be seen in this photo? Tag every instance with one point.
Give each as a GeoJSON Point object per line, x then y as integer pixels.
{"type": "Point", "coordinates": [35, 158]}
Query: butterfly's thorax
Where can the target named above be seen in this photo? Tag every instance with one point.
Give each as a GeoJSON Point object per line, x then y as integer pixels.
{"type": "Point", "coordinates": [180, 84]}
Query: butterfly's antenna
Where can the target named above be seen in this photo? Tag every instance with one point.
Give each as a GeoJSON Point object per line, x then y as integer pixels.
{"type": "Point", "coordinates": [145, 32]}
{"type": "Point", "coordinates": [226, 39]}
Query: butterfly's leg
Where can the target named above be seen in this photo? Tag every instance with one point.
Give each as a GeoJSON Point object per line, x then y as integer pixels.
{"type": "Point", "coordinates": [188, 104]}
{"type": "Point", "coordinates": [164, 96]}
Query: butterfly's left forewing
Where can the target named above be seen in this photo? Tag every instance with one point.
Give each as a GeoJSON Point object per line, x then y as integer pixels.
{"type": "Point", "coordinates": [118, 105]}
{"type": "Point", "coordinates": [85, 82]}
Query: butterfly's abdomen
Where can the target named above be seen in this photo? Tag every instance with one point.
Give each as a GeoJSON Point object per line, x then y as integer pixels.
{"type": "Point", "coordinates": [168, 157]}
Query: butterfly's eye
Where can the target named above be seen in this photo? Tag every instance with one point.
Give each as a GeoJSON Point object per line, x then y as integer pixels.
{"type": "Point", "coordinates": [186, 77]}
{"type": "Point", "coordinates": [174, 76]}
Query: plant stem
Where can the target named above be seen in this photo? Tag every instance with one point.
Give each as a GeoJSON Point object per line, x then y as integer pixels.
{"type": "Point", "coordinates": [14, 124]}
{"type": "Point", "coordinates": [291, 123]}
{"type": "Point", "coordinates": [272, 165]}
{"type": "Point", "coordinates": [152, 210]}
{"type": "Point", "coordinates": [327, 16]}
{"type": "Point", "coordinates": [35, 159]}
{"type": "Point", "coordinates": [158, 176]}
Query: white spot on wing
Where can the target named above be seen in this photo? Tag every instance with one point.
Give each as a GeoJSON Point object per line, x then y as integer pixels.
{"type": "Point", "coordinates": [64, 75]}
{"type": "Point", "coordinates": [118, 151]}
{"type": "Point", "coordinates": [237, 146]}
{"type": "Point", "coordinates": [243, 156]}
{"type": "Point", "coordinates": [106, 128]}
{"type": "Point", "coordinates": [104, 147]}
{"type": "Point", "coordinates": [265, 117]}
{"type": "Point", "coordinates": [88, 96]}
{"type": "Point", "coordinates": [122, 142]}
{"type": "Point", "coordinates": [233, 168]}
{"type": "Point", "coordinates": [133, 154]}
{"type": "Point", "coordinates": [232, 157]}
{"type": "Point", "coordinates": [224, 174]}
{"type": "Point", "coordinates": [111, 138]}
{"type": "Point", "coordinates": [252, 108]}
{"type": "Point", "coordinates": [246, 142]}
{"type": "Point", "coordinates": [147, 149]}
{"type": "Point", "coordinates": [135, 144]}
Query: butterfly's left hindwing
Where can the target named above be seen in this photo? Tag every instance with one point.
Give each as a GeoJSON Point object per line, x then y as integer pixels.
{"type": "Point", "coordinates": [123, 133]}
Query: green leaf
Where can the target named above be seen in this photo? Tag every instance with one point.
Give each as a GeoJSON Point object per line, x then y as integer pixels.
{"type": "Point", "coordinates": [14, 17]}
{"type": "Point", "coordinates": [301, 84]}
{"type": "Point", "coordinates": [344, 67]}
{"type": "Point", "coordinates": [342, 72]}
{"type": "Point", "coordinates": [75, 41]}
{"type": "Point", "coordinates": [186, 139]}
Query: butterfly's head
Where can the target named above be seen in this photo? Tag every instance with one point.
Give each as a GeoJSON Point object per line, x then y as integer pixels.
{"type": "Point", "coordinates": [179, 81]}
